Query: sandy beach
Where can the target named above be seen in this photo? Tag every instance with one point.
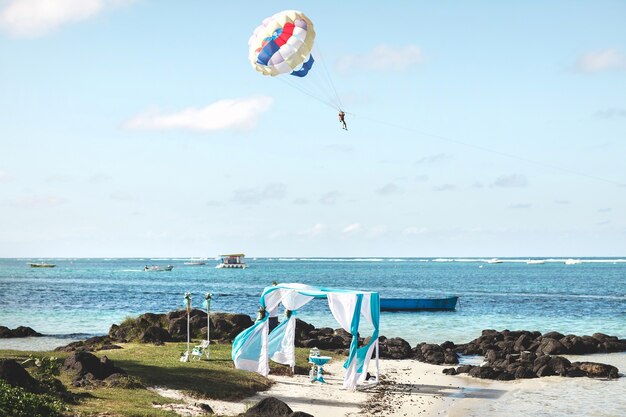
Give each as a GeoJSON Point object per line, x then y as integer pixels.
{"type": "Point", "coordinates": [412, 388]}
{"type": "Point", "coordinates": [407, 388]}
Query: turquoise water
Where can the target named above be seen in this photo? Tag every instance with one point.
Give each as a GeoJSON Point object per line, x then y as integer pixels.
{"type": "Point", "coordinates": [86, 296]}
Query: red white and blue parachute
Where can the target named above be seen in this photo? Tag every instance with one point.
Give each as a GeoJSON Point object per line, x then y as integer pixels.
{"type": "Point", "coordinates": [282, 44]}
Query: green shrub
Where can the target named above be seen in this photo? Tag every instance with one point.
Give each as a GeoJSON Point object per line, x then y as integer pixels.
{"type": "Point", "coordinates": [17, 402]}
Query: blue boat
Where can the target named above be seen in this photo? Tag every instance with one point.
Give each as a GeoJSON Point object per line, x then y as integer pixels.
{"type": "Point", "coordinates": [418, 304]}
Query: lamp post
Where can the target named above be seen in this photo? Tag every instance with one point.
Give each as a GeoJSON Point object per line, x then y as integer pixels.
{"type": "Point", "coordinates": [207, 303]}
{"type": "Point", "coordinates": [188, 305]}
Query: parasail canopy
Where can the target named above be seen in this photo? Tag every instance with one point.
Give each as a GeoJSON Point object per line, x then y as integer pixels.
{"type": "Point", "coordinates": [282, 44]}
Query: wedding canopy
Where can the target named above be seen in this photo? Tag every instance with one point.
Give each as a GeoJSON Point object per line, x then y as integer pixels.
{"type": "Point", "coordinates": [253, 346]}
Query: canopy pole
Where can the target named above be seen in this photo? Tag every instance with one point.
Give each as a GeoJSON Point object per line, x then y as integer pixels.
{"type": "Point", "coordinates": [185, 356]}
{"type": "Point", "coordinates": [207, 299]}
{"type": "Point", "coordinates": [377, 365]}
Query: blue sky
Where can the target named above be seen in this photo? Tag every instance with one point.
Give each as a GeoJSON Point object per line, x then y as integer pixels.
{"type": "Point", "coordinates": [139, 128]}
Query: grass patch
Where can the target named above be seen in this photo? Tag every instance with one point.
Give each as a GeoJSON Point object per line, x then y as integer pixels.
{"type": "Point", "coordinates": [160, 366]}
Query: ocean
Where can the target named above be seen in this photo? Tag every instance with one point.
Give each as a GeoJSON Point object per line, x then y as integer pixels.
{"type": "Point", "coordinates": [83, 297]}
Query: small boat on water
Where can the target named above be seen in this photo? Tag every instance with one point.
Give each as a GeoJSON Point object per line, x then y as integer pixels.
{"type": "Point", "coordinates": [573, 261]}
{"type": "Point", "coordinates": [158, 268]}
{"type": "Point", "coordinates": [195, 262]}
{"type": "Point", "coordinates": [418, 304]}
{"type": "Point", "coordinates": [234, 260]}
{"type": "Point", "coordinates": [494, 261]}
{"type": "Point", "coordinates": [41, 265]}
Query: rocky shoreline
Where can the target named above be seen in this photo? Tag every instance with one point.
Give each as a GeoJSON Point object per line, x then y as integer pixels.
{"type": "Point", "coordinates": [507, 354]}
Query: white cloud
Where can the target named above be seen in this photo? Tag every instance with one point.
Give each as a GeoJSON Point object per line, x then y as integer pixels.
{"type": "Point", "coordinates": [39, 201]}
{"type": "Point", "coordinates": [274, 191]}
{"type": "Point", "coordinates": [352, 228]}
{"type": "Point", "coordinates": [99, 178]}
{"type": "Point", "coordinates": [611, 113]}
{"type": "Point", "coordinates": [444, 187]}
{"type": "Point", "coordinates": [58, 178]}
{"type": "Point", "coordinates": [389, 189]}
{"type": "Point", "coordinates": [121, 196]}
{"type": "Point", "coordinates": [237, 114]}
{"type": "Point", "coordinates": [383, 58]}
{"type": "Point", "coordinates": [379, 230]}
{"type": "Point", "coordinates": [603, 60]}
{"type": "Point", "coordinates": [508, 181]}
{"type": "Point", "coordinates": [520, 206]}
{"type": "Point", "coordinates": [29, 18]}
{"type": "Point", "coordinates": [412, 231]}
{"type": "Point", "coordinates": [317, 230]}
{"type": "Point", "coordinates": [330, 197]}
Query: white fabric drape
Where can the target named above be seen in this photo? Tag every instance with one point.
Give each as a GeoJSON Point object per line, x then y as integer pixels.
{"type": "Point", "coordinates": [342, 307]}
{"type": "Point", "coordinates": [287, 351]}
{"type": "Point", "coordinates": [366, 308]}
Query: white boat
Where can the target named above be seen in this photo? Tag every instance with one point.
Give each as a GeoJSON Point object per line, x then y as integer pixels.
{"type": "Point", "coordinates": [195, 262]}
{"type": "Point", "coordinates": [573, 261]}
{"type": "Point", "coordinates": [158, 268]}
{"type": "Point", "coordinates": [535, 262]}
{"type": "Point", "coordinates": [494, 261]}
{"type": "Point", "coordinates": [233, 260]}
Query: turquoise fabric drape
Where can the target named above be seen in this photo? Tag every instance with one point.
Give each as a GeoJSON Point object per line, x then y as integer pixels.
{"type": "Point", "coordinates": [375, 311]}
{"type": "Point", "coordinates": [354, 330]}
{"type": "Point", "coordinates": [254, 345]}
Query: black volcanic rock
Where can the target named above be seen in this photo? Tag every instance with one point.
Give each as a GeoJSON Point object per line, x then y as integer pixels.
{"type": "Point", "coordinates": [524, 354]}
{"type": "Point", "coordinates": [269, 407]}
{"type": "Point", "coordinates": [394, 348]}
{"type": "Point", "coordinates": [21, 331]}
{"type": "Point", "coordinates": [14, 374]}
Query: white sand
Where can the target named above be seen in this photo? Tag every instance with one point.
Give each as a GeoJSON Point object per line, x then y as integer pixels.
{"type": "Point", "coordinates": [408, 388]}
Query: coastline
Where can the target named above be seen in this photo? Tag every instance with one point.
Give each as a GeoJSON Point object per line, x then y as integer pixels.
{"type": "Point", "coordinates": [411, 388]}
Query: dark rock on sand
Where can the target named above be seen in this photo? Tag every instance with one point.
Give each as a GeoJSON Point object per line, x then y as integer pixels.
{"type": "Point", "coordinates": [394, 348]}
{"type": "Point", "coordinates": [484, 372]}
{"type": "Point", "coordinates": [92, 344]}
{"type": "Point", "coordinates": [551, 343]}
{"type": "Point", "coordinates": [463, 369]}
{"type": "Point", "coordinates": [549, 346]}
{"type": "Point", "coordinates": [205, 407]}
{"type": "Point", "coordinates": [300, 414]}
{"type": "Point", "coordinates": [435, 354]}
{"type": "Point", "coordinates": [21, 331]}
{"type": "Point", "coordinates": [596, 370]}
{"type": "Point", "coordinates": [88, 368]}
{"type": "Point", "coordinates": [525, 354]}
{"type": "Point", "coordinates": [269, 407]}
{"type": "Point", "coordinates": [14, 374]}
